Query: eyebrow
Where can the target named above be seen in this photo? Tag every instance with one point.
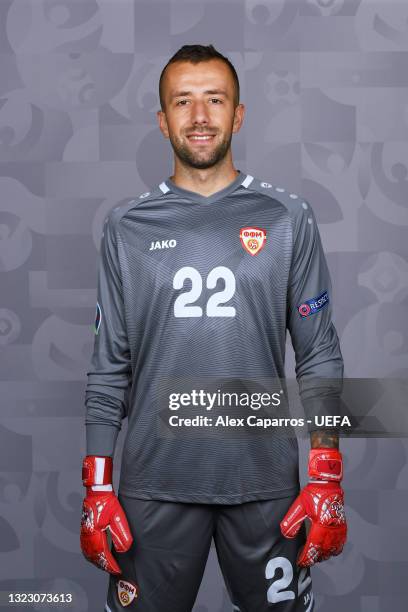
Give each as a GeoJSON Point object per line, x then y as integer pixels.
{"type": "Point", "coordinates": [178, 94]}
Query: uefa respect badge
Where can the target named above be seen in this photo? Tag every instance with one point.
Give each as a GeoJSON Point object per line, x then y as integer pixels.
{"type": "Point", "coordinates": [127, 592]}
{"type": "Point", "coordinates": [252, 239]}
{"type": "Point", "coordinates": [313, 305]}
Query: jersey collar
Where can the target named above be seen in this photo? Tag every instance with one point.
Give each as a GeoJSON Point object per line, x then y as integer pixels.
{"type": "Point", "coordinates": [240, 179]}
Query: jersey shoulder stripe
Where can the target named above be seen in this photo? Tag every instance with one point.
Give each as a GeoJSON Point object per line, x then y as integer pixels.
{"type": "Point", "coordinates": [115, 214]}
{"type": "Point", "coordinates": [293, 202]}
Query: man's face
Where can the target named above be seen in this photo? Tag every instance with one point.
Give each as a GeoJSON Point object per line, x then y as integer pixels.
{"type": "Point", "coordinates": [199, 102]}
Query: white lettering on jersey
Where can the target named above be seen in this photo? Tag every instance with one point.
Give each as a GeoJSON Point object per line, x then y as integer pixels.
{"type": "Point", "coordinates": [162, 244]}
{"type": "Point", "coordinates": [182, 304]}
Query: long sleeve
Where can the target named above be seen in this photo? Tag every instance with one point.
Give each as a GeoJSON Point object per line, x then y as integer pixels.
{"type": "Point", "coordinates": [319, 363]}
{"type": "Point", "coordinates": [109, 376]}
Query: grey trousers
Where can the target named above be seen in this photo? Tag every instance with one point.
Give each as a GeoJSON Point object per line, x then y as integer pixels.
{"type": "Point", "coordinates": [162, 570]}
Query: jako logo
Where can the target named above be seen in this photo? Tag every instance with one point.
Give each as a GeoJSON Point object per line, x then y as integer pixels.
{"type": "Point", "coordinates": [163, 244]}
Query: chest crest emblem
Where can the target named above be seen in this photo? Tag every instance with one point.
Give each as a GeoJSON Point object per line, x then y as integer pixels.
{"type": "Point", "coordinates": [252, 239]}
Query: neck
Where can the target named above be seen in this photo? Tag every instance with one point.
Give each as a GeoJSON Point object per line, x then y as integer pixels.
{"type": "Point", "coordinates": [204, 181]}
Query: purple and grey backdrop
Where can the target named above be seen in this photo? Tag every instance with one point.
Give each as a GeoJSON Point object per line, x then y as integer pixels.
{"type": "Point", "coordinates": [325, 83]}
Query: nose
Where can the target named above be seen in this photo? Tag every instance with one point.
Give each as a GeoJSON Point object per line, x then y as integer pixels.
{"type": "Point", "coordinates": [199, 113]}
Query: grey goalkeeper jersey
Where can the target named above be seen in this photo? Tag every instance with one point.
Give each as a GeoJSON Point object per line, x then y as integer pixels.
{"type": "Point", "coordinates": [195, 295]}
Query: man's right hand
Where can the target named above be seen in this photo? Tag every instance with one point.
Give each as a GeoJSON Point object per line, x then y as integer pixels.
{"type": "Point", "coordinates": [101, 510]}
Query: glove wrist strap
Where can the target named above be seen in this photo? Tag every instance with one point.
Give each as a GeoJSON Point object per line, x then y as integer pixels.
{"type": "Point", "coordinates": [97, 471]}
{"type": "Point", "coordinates": [326, 464]}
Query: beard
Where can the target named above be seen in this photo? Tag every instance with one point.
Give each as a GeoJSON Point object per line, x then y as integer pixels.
{"type": "Point", "coordinates": [201, 159]}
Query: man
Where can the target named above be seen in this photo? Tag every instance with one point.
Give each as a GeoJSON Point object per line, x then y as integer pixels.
{"type": "Point", "coordinates": [198, 281]}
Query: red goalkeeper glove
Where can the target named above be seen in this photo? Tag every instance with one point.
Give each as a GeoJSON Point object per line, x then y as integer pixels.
{"type": "Point", "coordinates": [322, 501]}
{"type": "Point", "coordinates": [101, 510]}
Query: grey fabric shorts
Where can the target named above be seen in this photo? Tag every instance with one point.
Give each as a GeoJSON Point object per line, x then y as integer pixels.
{"type": "Point", "coordinates": [163, 569]}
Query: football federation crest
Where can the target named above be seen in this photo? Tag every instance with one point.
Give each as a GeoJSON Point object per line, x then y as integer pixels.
{"type": "Point", "coordinates": [252, 239]}
{"type": "Point", "coordinates": [127, 592]}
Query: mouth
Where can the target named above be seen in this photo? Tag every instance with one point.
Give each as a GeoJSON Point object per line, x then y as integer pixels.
{"type": "Point", "coordinates": [201, 139]}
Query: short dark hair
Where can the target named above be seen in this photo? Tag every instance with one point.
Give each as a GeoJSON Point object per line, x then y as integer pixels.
{"type": "Point", "coordinates": [196, 54]}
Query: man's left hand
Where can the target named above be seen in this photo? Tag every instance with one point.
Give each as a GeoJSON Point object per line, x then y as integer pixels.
{"type": "Point", "coordinates": [322, 501]}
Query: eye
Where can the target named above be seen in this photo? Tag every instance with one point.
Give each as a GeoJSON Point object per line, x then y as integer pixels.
{"type": "Point", "coordinates": [216, 100]}
{"type": "Point", "coordinates": [181, 102]}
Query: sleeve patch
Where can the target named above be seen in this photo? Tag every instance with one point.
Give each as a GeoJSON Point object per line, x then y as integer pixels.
{"type": "Point", "coordinates": [98, 318]}
{"type": "Point", "coordinates": [313, 305]}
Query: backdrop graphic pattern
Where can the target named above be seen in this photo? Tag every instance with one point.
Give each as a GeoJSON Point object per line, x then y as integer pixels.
{"type": "Point", "coordinates": [326, 89]}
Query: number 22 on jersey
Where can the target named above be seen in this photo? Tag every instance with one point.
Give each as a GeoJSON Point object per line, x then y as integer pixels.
{"type": "Point", "coordinates": [215, 306]}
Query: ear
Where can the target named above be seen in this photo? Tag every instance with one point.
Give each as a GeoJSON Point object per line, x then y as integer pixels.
{"type": "Point", "coordinates": [161, 118]}
{"type": "Point", "coordinates": [238, 118]}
